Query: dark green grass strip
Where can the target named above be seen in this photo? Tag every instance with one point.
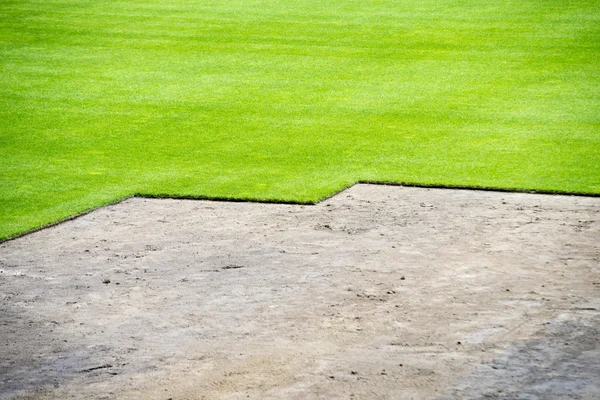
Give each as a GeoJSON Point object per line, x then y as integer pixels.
{"type": "Point", "coordinates": [482, 188]}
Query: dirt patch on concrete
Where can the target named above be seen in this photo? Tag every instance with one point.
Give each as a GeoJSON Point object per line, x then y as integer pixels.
{"type": "Point", "coordinates": [380, 292]}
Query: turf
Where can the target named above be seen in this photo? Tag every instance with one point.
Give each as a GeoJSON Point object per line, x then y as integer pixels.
{"type": "Point", "coordinates": [291, 99]}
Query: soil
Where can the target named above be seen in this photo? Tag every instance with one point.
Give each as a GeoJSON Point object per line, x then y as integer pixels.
{"type": "Point", "coordinates": [380, 292]}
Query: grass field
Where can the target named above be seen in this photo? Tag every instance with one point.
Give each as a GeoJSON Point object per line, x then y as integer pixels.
{"type": "Point", "coordinates": [291, 99]}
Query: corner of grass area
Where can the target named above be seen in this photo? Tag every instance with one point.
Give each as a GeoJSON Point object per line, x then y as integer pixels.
{"type": "Point", "coordinates": [21, 218]}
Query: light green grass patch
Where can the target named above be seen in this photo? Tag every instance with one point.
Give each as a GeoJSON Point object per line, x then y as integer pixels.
{"type": "Point", "coordinates": [291, 100]}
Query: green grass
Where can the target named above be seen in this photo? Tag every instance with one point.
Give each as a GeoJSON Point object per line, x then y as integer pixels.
{"type": "Point", "coordinates": [291, 99]}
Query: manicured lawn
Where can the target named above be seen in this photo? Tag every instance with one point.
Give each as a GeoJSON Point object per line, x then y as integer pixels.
{"type": "Point", "coordinates": [291, 99]}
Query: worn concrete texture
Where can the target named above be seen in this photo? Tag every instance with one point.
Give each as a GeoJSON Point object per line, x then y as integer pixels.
{"type": "Point", "coordinates": [377, 293]}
